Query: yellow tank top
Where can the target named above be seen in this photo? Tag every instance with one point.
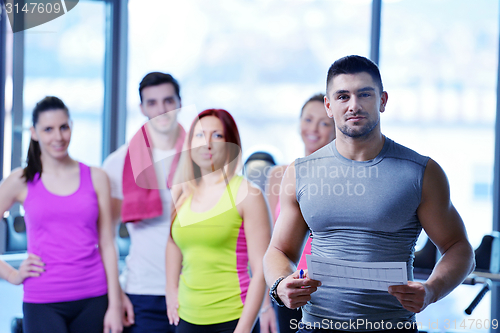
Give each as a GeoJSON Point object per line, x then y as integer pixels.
{"type": "Point", "coordinates": [214, 279]}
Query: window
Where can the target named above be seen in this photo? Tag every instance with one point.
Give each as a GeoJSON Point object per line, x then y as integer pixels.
{"type": "Point", "coordinates": [65, 58]}
{"type": "Point", "coordinates": [260, 60]}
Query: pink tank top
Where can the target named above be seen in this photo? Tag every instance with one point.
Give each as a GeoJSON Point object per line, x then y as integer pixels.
{"type": "Point", "coordinates": [62, 230]}
{"type": "Point", "coordinates": [307, 248]}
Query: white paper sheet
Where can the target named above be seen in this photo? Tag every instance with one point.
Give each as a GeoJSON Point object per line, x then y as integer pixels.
{"type": "Point", "coordinates": [349, 274]}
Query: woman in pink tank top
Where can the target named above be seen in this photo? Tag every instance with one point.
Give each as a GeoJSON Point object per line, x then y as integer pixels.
{"type": "Point", "coordinates": [70, 276]}
{"type": "Point", "coordinates": [316, 131]}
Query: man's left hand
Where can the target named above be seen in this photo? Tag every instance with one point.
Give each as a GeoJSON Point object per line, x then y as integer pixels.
{"type": "Point", "coordinates": [414, 296]}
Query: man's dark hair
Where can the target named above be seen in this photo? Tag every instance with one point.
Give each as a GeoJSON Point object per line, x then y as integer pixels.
{"type": "Point", "coordinates": [157, 78]}
{"type": "Point", "coordinates": [354, 64]}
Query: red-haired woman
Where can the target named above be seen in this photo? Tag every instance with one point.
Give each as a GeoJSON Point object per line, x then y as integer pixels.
{"type": "Point", "coordinates": [222, 225]}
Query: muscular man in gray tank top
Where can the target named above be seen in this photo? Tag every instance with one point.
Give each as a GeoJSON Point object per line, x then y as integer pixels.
{"type": "Point", "coordinates": [365, 198]}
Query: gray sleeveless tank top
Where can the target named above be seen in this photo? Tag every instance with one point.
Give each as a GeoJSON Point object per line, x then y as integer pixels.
{"type": "Point", "coordinates": [361, 211]}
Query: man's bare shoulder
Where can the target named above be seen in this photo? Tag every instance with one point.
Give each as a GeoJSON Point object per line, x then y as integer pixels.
{"type": "Point", "coordinates": [434, 177]}
{"type": "Point", "coordinates": [278, 171]}
{"type": "Point", "coordinates": [290, 170]}
{"type": "Point", "coordinates": [288, 183]}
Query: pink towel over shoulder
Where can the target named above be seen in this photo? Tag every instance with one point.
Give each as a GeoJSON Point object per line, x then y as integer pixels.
{"type": "Point", "coordinates": [141, 198]}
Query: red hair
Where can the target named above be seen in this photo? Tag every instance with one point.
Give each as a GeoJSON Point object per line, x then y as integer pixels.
{"type": "Point", "coordinates": [189, 172]}
{"type": "Point", "coordinates": [231, 135]}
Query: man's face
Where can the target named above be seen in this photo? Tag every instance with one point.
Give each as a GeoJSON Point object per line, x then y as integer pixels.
{"type": "Point", "coordinates": [158, 104]}
{"type": "Point", "coordinates": [355, 102]}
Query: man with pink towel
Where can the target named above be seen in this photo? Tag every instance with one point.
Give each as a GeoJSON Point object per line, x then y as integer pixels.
{"type": "Point", "coordinates": [141, 174]}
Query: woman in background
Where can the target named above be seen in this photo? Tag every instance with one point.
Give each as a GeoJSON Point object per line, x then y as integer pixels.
{"type": "Point", "coordinates": [71, 274]}
{"type": "Point", "coordinates": [316, 131]}
{"type": "Point", "coordinates": [222, 224]}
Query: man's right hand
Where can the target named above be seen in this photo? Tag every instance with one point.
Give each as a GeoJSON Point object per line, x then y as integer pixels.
{"type": "Point", "coordinates": [295, 292]}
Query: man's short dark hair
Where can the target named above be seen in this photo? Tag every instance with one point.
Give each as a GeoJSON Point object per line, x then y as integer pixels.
{"type": "Point", "coordinates": [157, 78]}
{"type": "Point", "coordinates": [354, 64]}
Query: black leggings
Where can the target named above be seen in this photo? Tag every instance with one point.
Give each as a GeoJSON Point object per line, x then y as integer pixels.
{"type": "Point", "coordinates": [227, 327]}
{"type": "Point", "coordinates": [82, 316]}
{"type": "Point", "coordinates": [287, 318]}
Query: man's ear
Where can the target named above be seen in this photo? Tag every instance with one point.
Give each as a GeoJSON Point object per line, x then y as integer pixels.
{"type": "Point", "coordinates": [33, 134]}
{"type": "Point", "coordinates": [327, 107]}
{"type": "Point", "coordinates": [383, 100]}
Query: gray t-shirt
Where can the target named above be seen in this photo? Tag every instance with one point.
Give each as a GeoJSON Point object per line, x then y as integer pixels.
{"type": "Point", "coordinates": [361, 211]}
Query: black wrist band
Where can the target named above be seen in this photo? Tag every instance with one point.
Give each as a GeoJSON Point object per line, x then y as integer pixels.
{"type": "Point", "coordinates": [273, 293]}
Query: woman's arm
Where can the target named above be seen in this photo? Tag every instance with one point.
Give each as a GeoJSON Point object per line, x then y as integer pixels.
{"type": "Point", "coordinates": [113, 318]}
{"type": "Point", "coordinates": [273, 185]}
{"type": "Point", "coordinates": [173, 262]}
{"type": "Point", "coordinates": [9, 273]}
{"type": "Point", "coordinates": [267, 316]}
{"type": "Point", "coordinates": [257, 226]}
{"type": "Point", "coordinates": [30, 267]}
{"type": "Point", "coordinates": [13, 189]}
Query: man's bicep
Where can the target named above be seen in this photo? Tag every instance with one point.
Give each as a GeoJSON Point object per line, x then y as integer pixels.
{"type": "Point", "coordinates": [436, 213]}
